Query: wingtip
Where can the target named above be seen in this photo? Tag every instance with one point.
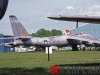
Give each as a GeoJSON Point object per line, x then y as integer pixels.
{"type": "Point", "coordinates": [54, 17]}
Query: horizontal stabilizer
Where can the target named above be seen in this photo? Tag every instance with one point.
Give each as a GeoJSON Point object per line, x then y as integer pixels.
{"type": "Point", "coordinates": [22, 37]}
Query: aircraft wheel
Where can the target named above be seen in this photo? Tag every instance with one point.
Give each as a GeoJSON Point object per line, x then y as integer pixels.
{"type": "Point", "coordinates": [74, 48]}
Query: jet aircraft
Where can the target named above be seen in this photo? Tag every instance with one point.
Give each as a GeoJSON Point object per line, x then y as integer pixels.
{"type": "Point", "coordinates": [23, 39]}
{"type": "Point", "coordinates": [77, 18]}
{"type": "Point", "coordinates": [3, 7]}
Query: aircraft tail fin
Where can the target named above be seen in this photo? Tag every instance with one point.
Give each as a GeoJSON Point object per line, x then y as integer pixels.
{"type": "Point", "coordinates": [17, 27]}
{"type": "Point", "coordinates": [68, 32]}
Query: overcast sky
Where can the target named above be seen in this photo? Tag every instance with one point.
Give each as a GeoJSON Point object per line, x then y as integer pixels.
{"type": "Point", "coordinates": [33, 13]}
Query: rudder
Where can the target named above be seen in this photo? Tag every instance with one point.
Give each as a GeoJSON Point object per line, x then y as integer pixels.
{"type": "Point", "coordinates": [17, 27]}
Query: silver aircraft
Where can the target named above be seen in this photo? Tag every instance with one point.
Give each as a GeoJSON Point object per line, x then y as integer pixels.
{"type": "Point", "coordinates": [23, 39]}
{"type": "Point", "coordinates": [77, 18]}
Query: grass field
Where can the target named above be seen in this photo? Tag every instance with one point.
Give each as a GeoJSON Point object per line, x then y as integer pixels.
{"type": "Point", "coordinates": [36, 63]}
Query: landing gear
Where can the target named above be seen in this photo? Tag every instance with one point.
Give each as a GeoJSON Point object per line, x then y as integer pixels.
{"type": "Point", "coordinates": [74, 48]}
{"type": "Point", "coordinates": [40, 48]}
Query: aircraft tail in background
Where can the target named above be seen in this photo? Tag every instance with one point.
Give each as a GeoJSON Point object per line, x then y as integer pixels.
{"type": "Point", "coordinates": [68, 32]}
{"type": "Point", "coordinates": [17, 27]}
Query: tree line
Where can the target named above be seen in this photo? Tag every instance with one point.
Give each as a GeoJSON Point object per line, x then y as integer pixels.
{"type": "Point", "coordinates": [43, 33]}
{"type": "Point", "coordinates": [46, 33]}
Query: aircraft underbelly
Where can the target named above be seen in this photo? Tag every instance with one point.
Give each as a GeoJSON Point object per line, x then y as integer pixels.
{"type": "Point", "coordinates": [56, 41]}
{"type": "Point", "coordinates": [73, 42]}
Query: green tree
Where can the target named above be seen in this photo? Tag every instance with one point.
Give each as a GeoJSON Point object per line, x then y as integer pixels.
{"type": "Point", "coordinates": [1, 34]}
{"type": "Point", "coordinates": [42, 33]}
{"type": "Point", "coordinates": [48, 33]}
{"type": "Point", "coordinates": [45, 33]}
{"type": "Point", "coordinates": [55, 32]}
{"type": "Point", "coordinates": [33, 35]}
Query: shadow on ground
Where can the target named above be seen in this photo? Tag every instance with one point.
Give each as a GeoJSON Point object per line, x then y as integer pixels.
{"type": "Point", "coordinates": [81, 64]}
{"type": "Point", "coordinates": [79, 69]}
{"type": "Point", "coordinates": [23, 71]}
{"type": "Point", "coordinates": [66, 69]}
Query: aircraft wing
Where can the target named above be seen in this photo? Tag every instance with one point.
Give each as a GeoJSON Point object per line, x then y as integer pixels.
{"type": "Point", "coordinates": [10, 43]}
{"type": "Point", "coordinates": [23, 37]}
{"type": "Point", "coordinates": [84, 40]}
{"type": "Point", "coordinates": [77, 18]}
{"type": "Point", "coordinates": [17, 38]}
